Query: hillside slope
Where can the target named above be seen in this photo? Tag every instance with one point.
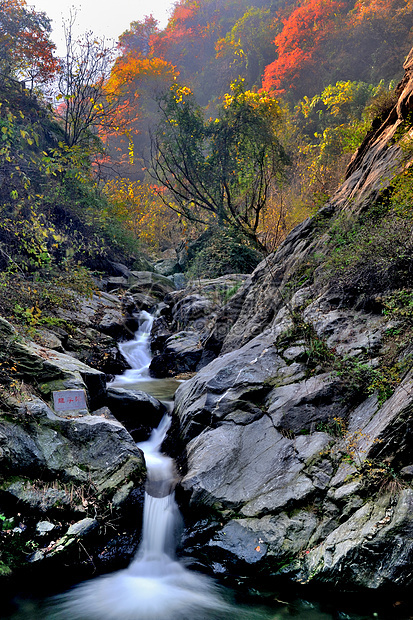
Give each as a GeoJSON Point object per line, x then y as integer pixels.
{"type": "Point", "coordinates": [298, 434]}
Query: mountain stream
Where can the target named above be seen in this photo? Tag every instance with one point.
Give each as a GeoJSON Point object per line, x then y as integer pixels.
{"type": "Point", "coordinates": [157, 585]}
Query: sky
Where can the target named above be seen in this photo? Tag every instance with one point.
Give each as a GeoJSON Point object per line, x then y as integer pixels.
{"type": "Point", "coordinates": [108, 18]}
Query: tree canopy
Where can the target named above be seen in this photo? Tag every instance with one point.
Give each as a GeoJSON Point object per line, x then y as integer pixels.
{"type": "Point", "coordinates": [26, 51]}
{"type": "Point", "coordinates": [221, 169]}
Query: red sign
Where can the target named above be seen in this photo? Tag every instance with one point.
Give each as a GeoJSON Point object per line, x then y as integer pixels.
{"type": "Point", "coordinates": [69, 400]}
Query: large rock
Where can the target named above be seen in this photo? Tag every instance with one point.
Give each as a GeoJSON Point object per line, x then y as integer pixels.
{"type": "Point", "coordinates": [150, 283]}
{"type": "Point", "coordinates": [181, 353]}
{"type": "Point", "coordinates": [138, 411]}
{"type": "Point", "coordinates": [252, 468]}
{"type": "Point", "coordinates": [54, 371]}
{"type": "Point", "coordinates": [79, 449]}
{"type": "Point", "coordinates": [349, 554]}
{"type": "Point", "coordinates": [290, 469]}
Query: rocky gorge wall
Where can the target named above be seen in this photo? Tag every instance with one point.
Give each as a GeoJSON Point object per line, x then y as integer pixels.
{"type": "Point", "coordinates": [299, 434]}
{"type": "Point", "coordinates": [295, 430]}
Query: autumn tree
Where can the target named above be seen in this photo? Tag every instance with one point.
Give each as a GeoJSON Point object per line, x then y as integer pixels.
{"type": "Point", "coordinates": [323, 41]}
{"type": "Point", "coordinates": [377, 38]}
{"type": "Point", "coordinates": [87, 106]}
{"type": "Point", "coordinates": [138, 37]}
{"type": "Point", "coordinates": [138, 76]}
{"type": "Point", "coordinates": [26, 51]}
{"type": "Point", "coordinates": [139, 207]}
{"type": "Point", "coordinates": [248, 47]}
{"type": "Point", "coordinates": [219, 170]}
{"type": "Point", "coordinates": [298, 64]}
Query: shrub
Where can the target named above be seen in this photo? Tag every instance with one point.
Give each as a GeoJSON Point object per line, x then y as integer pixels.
{"type": "Point", "coordinates": [223, 252]}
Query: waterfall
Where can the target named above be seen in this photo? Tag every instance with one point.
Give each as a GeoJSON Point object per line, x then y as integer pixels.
{"type": "Point", "coordinates": [137, 353]}
{"type": "Point", "coordinates": [155, 586]}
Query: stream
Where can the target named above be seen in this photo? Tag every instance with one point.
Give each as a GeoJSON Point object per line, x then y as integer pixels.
{"type": "Point", "coordinates": [138, 355]}
{"type": "Point", "coordinates": [157, 585]}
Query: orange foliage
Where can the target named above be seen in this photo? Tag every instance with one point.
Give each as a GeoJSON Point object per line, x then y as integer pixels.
{"type": "Point", "coordinates": [132, 67]}
{"type": "Point", "coordinates": [305, 28]}
{"type": "Point", "coordinates": [130, 75]}
{"type": "Point", "coordinates": [184, 12]}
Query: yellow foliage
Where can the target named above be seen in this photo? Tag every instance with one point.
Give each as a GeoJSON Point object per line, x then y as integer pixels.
{"type": "Point", "coordinates": [142, 210]}
{"type": "Point", "coordinates": [284, 211]}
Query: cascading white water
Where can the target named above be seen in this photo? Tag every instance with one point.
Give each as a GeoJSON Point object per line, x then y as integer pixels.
{"type": "Point", "coordinates": [137, 353]}
{"type": "Point", "coordinates": [155, 586]}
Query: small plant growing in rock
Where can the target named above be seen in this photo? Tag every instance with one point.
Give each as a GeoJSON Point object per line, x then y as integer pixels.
{"type": "Point", "coordinates": [337, 427]}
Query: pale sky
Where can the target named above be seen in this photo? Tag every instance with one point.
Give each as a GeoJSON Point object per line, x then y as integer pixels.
{"type": "Point", "coordinates": [107, 18]}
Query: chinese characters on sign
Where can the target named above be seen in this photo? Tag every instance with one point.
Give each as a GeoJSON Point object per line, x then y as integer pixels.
{"type": "Point", "coordinates": [69, 400]}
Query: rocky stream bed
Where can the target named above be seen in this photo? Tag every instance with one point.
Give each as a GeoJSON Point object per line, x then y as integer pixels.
{"type": "Point", "coordinates": [291, 429]}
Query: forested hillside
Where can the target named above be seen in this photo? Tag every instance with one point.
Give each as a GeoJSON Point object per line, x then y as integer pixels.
{"type": "Point", "coordinates": [202, 143]}
{"type": "Point", "coordinates": [328, 68]}
{"type": "Point", "coordinates": [220, 81]}
{"type": "Point", "coordinates": [131, 173]}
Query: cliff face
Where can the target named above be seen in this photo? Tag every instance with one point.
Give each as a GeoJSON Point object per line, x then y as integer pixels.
{"type": "Point", "coordinates": [299, 434]}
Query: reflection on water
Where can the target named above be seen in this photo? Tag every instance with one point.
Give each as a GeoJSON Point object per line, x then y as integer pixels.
{"type": "Point", "coordinates": [162, 389]}
{"type": "Point", "coordinates": [138, 355]}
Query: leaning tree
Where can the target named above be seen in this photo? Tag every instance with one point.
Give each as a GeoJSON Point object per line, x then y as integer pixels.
{"type": "Point", "coordinates": [220, 170]}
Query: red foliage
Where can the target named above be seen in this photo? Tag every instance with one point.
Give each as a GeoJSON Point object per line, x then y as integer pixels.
{"type": "Point", "coordinates": [25, 46]}
{"type": "Point", "coordinates": [304, 30]}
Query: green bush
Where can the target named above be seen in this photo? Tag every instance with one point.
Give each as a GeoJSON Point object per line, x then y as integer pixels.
{"type": "Point", "coordinates": [222, 252]}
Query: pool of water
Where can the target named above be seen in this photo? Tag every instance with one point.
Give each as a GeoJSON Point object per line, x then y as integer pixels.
{"type": "Point", "coordinates": [162, 389]}
{"type": "Point", "coordinates": [269, 607]}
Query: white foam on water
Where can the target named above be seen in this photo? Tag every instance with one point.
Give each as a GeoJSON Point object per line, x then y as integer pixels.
{"type": "Point", "coordinates": [155, 586]}
{"type": "Point", "coordinates": [137, 353]}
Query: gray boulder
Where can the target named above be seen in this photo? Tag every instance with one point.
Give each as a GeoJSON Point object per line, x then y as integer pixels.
{"type": "Point", "coordinates": [150, 283]}
{"type": "Point", "coordinates": [78, 449]}
{"type": "Point", "coordinates": [181, 353]}
{"type": "Point", "coordinates": [138, 411]}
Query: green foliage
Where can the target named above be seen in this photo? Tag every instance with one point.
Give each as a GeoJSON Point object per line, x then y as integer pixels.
{"type": "Point", "coordinates": [359, 378]}
{"type": "Point", "coordinates": [330, 127]}
{"type": "Point", "coordinates": [231, 292]}
{"type": "Point", "coordinates": [399, 306]}
{"type": "Point", "coordinates": [31, 303]}
{"type": "Point", "coordinates": [317, 353]}
{"type": "Point", "coordinates": [219, 169]}
{"type": "Point", "coordinates": [223, 252]}
{"type": "Point", "coordinates": [15, 545]}
{"type": "Point", "coordinates": [248, 46]}
{"type": "Point", "coordinates": [336, 427]}
{"type": "Point", "coordinates": [372, 255]}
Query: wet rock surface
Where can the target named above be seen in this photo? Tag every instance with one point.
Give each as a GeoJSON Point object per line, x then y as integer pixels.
{"type": "Point", "coordinates": [298, 462]}
{"type": "Point", "coordinates": [138, 411]}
